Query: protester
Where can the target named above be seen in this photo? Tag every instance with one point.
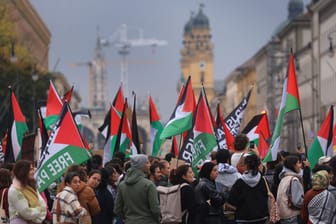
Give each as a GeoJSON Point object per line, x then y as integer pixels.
{"type": "Point", "coordinates": [155, 173]}
{"type": "Point", "coordinates": [184, 174]}
{"type": "Point", "coordinates": [86, 195]}
{"type": "Point", "coordinates": [318, 203]}
{"type": "Point", "coordinates": [165, 172]}
{"type": "Point", "coordinates": [208, 200]}
{"type": "Point", "coordinates": [290, 191]}
{"type": "Point", "coordinates": [5, 182]}
{"type": "Point", "coordinates": [25, 203]}
{"type": "Point", "coordinates": [277, 170]}
{"type": "Point", "coordinates": [332, 186]}
{"type": "Point", "coordinates": [227, 174]}
{"type": "Point", "coordinates": [66, 208]}
{"type": "Point", "coordinates": [249, 194]}
{"type": "Point", "coordinates": [94, 179]}
{"type": "Point", "coordinates": [241, 147]}
{"type": "Point", "coordinates": [105, 199]}
{"type": "Point", "coordinates": [137, 199]}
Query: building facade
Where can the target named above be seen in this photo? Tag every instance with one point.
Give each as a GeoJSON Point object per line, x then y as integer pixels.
{"type": "Point", "coordinates": [197, 54]}
{"type": "Point", "coordinates": [31, 32]}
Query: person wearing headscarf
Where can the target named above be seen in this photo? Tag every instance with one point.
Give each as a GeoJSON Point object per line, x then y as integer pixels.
{"type": "Point", "coordinates": [208, 200]}
{"type": "Point", "coordinates": [318, 203]}
{"type": "Point", "coordinates": [137, 198]}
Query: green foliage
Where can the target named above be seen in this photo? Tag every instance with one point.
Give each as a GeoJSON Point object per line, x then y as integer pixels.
{"type": "Point", "coordinates": [28, 93]}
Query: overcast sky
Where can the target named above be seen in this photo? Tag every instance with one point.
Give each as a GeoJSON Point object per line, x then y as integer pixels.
{"type": "Point", "coordinates": [239, 29]}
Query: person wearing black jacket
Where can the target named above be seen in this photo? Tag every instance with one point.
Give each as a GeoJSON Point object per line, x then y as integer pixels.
{"type": "Point", "coordinates": [184, 174]}
{"type": "Point", "coordinates": [209, 202]}
{"type": "Point", "coordinates": [249, 194]}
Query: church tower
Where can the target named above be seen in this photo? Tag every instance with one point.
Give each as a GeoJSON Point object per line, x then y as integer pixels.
{"type": "Point", "coordinates": [197, 54]}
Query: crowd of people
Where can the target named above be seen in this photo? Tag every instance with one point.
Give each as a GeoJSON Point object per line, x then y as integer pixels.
{"type": "Point", "coordinates": [228, 188]}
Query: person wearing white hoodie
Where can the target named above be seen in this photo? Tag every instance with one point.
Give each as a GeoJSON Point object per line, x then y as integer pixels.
{"type": "Point", "coordinates": [227, 174]}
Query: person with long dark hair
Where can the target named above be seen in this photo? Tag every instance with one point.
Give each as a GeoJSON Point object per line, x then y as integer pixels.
{"type": "Point", "coordinates": [105, 198]}
{"type": "Point", "coordinates": [249, 194]}
{"type": "Point", "coordinates": [184, 175]}
{"type": "Point", "coordinates": [25, 203]}
{"type": "Point", "coordinates": [208, 200]}
{"type": "Point", "coordinates": [66, 208]}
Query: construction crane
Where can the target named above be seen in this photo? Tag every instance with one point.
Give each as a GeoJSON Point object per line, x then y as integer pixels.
{"type": "Point", "coordinates": [120, 40]}
{"type": "Point", "coordinates": [97, 77]}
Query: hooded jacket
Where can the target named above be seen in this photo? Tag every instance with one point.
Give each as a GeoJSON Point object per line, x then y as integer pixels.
{"type": "Point", "coordinates": [227, 176]}
{"type": "Point", "coordinates": [287, 176]}
{"type": "Point", "coordinates": [137, 199]}
{"type": "Point", "coordinates": [249, 195]}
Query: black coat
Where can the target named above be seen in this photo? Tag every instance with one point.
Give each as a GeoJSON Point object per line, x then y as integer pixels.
{"type": "Point", "coordinates": [251, 202]}
{"type": "Point", "coordinates": [206, 191]}
{"type": "Point", "coordinates": [187, 202]}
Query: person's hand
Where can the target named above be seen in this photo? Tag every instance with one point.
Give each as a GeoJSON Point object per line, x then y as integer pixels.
{"type": "Point", "coordinates": [305, 163]}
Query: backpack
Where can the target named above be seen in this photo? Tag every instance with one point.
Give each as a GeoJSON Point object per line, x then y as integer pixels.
{"type": "Point", "coordinates": [3, 217]}
{"type": "Point", "coordinates": [170, 203]}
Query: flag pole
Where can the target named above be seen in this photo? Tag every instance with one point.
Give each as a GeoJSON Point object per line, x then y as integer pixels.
{"type": "Point", "coordinates": [303, 133]}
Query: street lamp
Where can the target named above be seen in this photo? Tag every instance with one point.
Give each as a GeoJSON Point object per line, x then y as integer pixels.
{"type": "Point", "coordinates": [13, 60]}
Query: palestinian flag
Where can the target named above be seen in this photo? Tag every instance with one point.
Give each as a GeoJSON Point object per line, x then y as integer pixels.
{"type": "Point", "coordinates": [156, 128]}
{"type": "Point", "coordinates": [118, 104]}
{"type": "Point", "coordinates": [223, 135]}
{"type": "Point", "coordinates": [125, 135]}
{"type": "Point", "coordinates": [181, 119]}
{"type": "Point", "coordinates": [322, 144]}
{"type": "Point", "coordinates": [257, 130]}
{"type": "Point", "coordinates": [118, 101]}
{"type": "Point", "coordinates": [64, 148]}
{"type": "Point", "coordinates": [54, 107]}
{"type": "Point", "coordinates": [290, 101]}
{"type": "Point", "coordinates": [111, 140]}
{"type": "Point", "coordinates": [204, 140]}
{"type": "Point", "coordinates": [67, 96]}
{"type": "Point", "coordinates": [16, 129]}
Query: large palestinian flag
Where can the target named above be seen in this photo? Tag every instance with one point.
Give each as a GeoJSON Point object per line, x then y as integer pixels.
{"type": "Point", "coordinates": [64, 148]}
{"type": "Point", "coordinates": [204, 140]}
{"type": "Point", "coordinates": [181, 119]}
{"type": "Point", "coordinates": [322, 144]}
{"type": "Point", "coordinates": [290, 101]}
{"type": "Point", "coordinates": [16, 129]}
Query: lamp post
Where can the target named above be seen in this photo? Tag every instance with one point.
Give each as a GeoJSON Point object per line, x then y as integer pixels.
{"type": "Point", "coordinates": [13, 60]}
